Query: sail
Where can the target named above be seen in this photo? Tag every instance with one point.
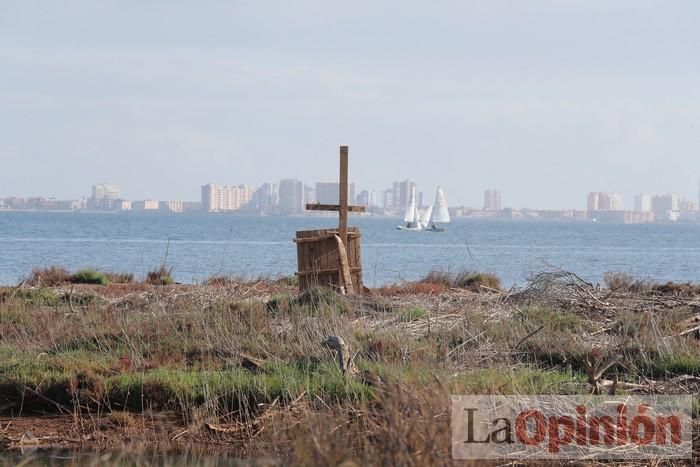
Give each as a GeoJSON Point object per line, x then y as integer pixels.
{"type": "Point", "coordinates": [410, 215]}
{"type": "Point", "coordinates": [416, 216]}
{"type": "Point", "coordinates": [440, 213]}
{"type": "Point", "coordinates": [425, 218]}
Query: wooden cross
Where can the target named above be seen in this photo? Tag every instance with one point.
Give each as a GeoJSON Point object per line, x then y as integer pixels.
{"type": "Point", "coordinates": [343, 209]}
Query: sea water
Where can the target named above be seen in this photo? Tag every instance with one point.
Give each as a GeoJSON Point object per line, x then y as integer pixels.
{"type": "Point", "coordinates": [198, 246]}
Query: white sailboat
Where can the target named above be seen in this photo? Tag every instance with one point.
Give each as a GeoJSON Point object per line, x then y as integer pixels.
{"type": "Point", "coordinates": [439, 214]}
{"type": "Point", "coordinates": [411, 218]}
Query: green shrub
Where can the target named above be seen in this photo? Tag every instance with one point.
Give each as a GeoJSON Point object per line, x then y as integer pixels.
{"type": "Point", "coordinates": [89, 276]}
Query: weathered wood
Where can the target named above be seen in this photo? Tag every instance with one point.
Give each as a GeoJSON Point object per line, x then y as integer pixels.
{"type": "Point", "coordinates": [333, 207]}
{"type": "Point", "coordinates": [332, 257]}
{"type": "Point", "coordinates": [343, 221]}
{"type": "Point", "coordinates": [319, 262]}
{"type": "Point", "coordinates": [344, 266]}
{"type": "Point", "coordinates": [323, 237]}
{"type": "Point", "coordinates": [326, 271]}
{"type": "Point", "coordinates": [343, 197]}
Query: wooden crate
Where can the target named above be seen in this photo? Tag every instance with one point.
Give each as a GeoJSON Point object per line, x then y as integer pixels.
{"type": "Point", "coordinates": [318, 262]}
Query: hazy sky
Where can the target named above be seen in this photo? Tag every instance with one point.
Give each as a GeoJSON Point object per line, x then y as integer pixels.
{"type": "Point", "coordinates": [546, 100]}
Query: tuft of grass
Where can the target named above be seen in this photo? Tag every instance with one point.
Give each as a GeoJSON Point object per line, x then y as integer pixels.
{"type": "Point", "coordinates": [477, 281]}
{"type": "Point", "coordinates": [625, 282]}
{"type": "Point", "coordinates": [470, 280]}
{"type": "Point", "coordinates": [89, 276]}
{"type": "Point", "coordinates": [51, 276]}
{"type": "Point", "coordinates": [160, 276]}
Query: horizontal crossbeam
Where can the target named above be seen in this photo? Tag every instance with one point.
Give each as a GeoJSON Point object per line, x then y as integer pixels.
{"type": "Point", "coordinates": [333, 207]}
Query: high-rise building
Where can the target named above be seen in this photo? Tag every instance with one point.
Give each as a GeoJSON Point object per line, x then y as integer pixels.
{"type": "Point", "coordinates": [103, 196]}
{"type": "Point", "coordinates": [367, 198]}
{"type": "Point", "coordinates": [217, 198]}
{"type": "Point", "coordinates": [593, 201]}
{"type": "Point", "coordinates": [388, 199]}
{"type": "Point", "coordinates": [616, 202]}
{"type": "Point", "coordinates": [642, 202]}
{"type": "Point", "coordinates": [492, 200]}
{"type": "Point", "coordinates": [265, 197]}
{"type": "Point", "coordinates": [372, 201]}
{"type": "Point", "coordinates": [665, 207]}
{"type": "Point", "coordinates": [310, 194]}
{"type": "Point", "coordinates": [363, 198]}
{"type": "Point", "coordinates": [327, 192]}
{"type": "Point", "coordinates": [105, 191]}
{"type": "Point", "coordinates": [291, 193]}
{"type": "Point", "coordinates": [603, 201]}
{"type": "Point", "coordinates": [401, 192]}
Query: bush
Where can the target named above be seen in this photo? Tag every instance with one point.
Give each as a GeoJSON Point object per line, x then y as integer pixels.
{"type": "Point", "coordinates": [49, 277]}
{"type": "Point", "coordinates": [475, 280]}
{"type": "Point", "coordinates": [625, 282]}
{"type": "Point", "coordinates": [469, 280]}
{"type": "Point", "coordinates": [160, 276]}
{"type": "Point", "coordinates": [89, 276]}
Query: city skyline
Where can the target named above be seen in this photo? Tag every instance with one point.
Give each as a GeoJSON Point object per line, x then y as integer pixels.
{"type": "Point", "coordinates": [469, 96]}
{"type": "Point", "coordinates": [289, 196]}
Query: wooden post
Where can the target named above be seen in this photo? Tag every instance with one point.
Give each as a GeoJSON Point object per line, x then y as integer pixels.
{"type": "Point", "coordinates": [344, 268]}
{"type": "Point", "coordinates": [343, 196]}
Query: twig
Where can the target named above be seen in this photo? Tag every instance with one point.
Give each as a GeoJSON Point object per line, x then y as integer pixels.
{"type": "Point", "coordinates": [527, 337]}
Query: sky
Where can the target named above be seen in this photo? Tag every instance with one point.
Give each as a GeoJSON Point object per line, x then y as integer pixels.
{"type": "Point", "coordinates": [545, 100]}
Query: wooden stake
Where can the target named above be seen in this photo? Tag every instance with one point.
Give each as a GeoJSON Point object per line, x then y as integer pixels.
{"type": "Point", "coordinates": [343, 195]}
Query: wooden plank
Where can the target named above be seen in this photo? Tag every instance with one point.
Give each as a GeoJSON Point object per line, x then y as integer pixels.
{"type": "Point", "coordinates": [300, 266]}
{"type": "Point", "coordinates": [344, 267]}
{"type": "Point", "coordinates": [326, 271]}
{"type": "Point", "coordinates": [324, 237]}
{"type": "Point", "coordinates": [343, 203]}
{"type": "Point", "coordinates": [333, 207]}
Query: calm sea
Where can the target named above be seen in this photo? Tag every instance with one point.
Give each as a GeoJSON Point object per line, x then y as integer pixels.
{"type": "Point", "coordinates": [198, 246]}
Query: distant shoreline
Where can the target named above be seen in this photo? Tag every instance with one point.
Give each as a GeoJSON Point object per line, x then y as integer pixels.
{"type": "Point", "coordinates": [331, 215]}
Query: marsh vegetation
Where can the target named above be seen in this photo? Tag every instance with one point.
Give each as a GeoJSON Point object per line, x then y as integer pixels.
{"type": "Point", "coordinates": [239, 365]}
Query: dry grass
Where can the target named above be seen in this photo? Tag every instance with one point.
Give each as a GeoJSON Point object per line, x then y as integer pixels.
{"type": "Point", "coordinates": [49, 277]}
{"type": "Point", "coordinates": [240, 363]}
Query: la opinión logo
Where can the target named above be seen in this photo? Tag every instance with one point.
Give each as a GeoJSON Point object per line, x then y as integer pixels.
{"type": "Point", "coordinates": [562, 426]}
